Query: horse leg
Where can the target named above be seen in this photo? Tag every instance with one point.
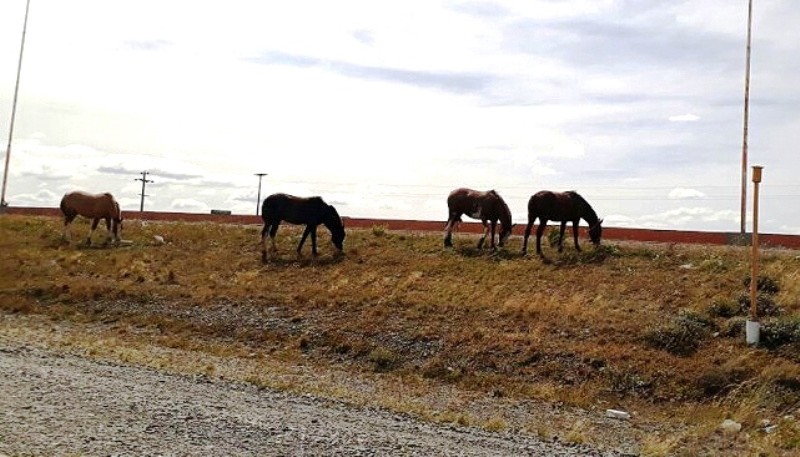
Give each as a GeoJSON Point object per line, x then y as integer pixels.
{"type": "Point", "coordinates": [575, 234]}
{"type": "Point", "coordinates": [264, 242]}
{"type": "Point", "coordinates": [561, 236]}
{"type": "Point", "coordinates": [272, 229]}
{"type": "Point", "coordinates": [314, 241]}
{"type": "Point", "coordinates": [306, 232]}
{"type": "Point", "coordinates": [272, 232]}
{"type": "Point", "coordinates": [539, 232]}
{"type": "Point", "coordinates": [448, 231]}
{"type": "Point", "coordinates": [483, 238]}
{"type": "Point", "coordinates": [67, 236]}
{"type": "Point", "coordinates": [108, 228]}
{"type": "Point", "coordinates": [91, 231]}
{"type": "Point", "coordinates": [527, 235]}
{"type": "Point", "coordinates": [494, 225]}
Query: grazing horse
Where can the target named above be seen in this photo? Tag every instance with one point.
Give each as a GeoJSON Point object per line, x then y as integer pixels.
{"type": "Point", "coordinates": [310, 211]}
{"type": "Point", "coordinates": [487, 206]}
{"type": "Point", "coordinates": [563, 207]}
{"type": "Point", "coordinates": [95, 207]}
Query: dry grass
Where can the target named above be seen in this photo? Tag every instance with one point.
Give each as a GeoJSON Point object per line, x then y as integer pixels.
{"type": "Point", "coordinates": [638, 326]}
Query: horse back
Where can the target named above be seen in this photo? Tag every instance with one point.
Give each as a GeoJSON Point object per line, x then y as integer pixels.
{"type": "Point", "coordinates": [555, 206]}
{"type": "Point", "coordinates": [90, 205]}
{"type": "Point", "coordinates": [463, 200]}
{"type": "Point", "coordinates": [294, 210]}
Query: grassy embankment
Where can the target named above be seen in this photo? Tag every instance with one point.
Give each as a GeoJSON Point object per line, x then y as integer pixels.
{"type": "Point", "coordinates": [656, 329]}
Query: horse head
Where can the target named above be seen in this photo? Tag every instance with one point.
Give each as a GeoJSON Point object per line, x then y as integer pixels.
{"type": "Point", "coordinates": [334, 223]}
{"type": "Point", "coordinates": [596, 231]}
{"type": "Point", "coordinates": [116, 221]}
{"type": "Point", "coordinates": [505, 232]}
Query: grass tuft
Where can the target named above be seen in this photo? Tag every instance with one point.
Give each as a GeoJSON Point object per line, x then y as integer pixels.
{"type": "Point", "coordinates": [681, 336]}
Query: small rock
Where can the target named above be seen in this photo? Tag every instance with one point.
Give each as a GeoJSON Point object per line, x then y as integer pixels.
{"type": "Point", "coordinates": [731, 426]}
{"type": "Point", "coordinates": [686, 266]}
{"type": "Point", "coordinates": [617, 414]}
{"type": "Point", "coordinates": [158, 239]}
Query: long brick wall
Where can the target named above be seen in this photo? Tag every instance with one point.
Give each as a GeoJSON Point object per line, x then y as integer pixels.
{"type": "Point", "coordinates": [610, 233]}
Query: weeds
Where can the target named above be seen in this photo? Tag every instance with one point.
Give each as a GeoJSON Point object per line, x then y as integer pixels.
{"type": "Point", "coordinates": [681, 336]}
{"type": "Point", "coordinates": [778, 332]}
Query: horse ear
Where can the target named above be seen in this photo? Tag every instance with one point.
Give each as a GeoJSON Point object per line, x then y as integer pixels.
{"type": "Point", "coordinates": [599, 222]}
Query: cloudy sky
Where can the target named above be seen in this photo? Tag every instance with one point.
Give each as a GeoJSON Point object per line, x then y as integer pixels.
{"type": "Point", "coordinates": [384, 107]}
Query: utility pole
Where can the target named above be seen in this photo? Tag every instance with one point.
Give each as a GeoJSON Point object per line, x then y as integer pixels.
{"type": "Point", "coordinates": [144, 181]}
{"type": "Point", "coordinates": [3, 202]}
{"type": "Point", "coordinates": [258, 199]}
{"type": "Point", "coordinates": [743, 227]}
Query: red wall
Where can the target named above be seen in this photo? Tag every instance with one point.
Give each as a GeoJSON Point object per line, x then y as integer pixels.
{"type": "Point", "coordinates": [610, 233]}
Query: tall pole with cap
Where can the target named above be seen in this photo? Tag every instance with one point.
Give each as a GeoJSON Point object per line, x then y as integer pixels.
{"type": "Point", "coordinates": [753, 329]}
{"type": "Point", "coordinates": [746, 120]}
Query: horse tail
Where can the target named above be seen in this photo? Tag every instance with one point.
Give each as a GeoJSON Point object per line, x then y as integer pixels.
{"type": "Point", "coordinates": [63, 204]}
{"type": "Point", "coordinates": [66, 209]}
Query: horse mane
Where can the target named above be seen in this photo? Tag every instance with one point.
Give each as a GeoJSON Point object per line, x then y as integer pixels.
{"type": "Point", "coordinates": [589, 210]}
{"type": "Point", "coordinates": [506, 209]}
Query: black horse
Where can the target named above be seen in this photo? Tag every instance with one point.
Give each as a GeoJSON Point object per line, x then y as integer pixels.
{"type": "Point", "coordinates": [310, 211]}
{"type": "Point", "coordinates": [563, 207]}
{"type": "Point", "coordinates": [487, 206]}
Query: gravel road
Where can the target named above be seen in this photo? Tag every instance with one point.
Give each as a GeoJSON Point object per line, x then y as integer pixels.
{"type": "Point", "coordinates": [56, 404]}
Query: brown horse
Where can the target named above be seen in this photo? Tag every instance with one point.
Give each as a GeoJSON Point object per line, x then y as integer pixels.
{"type": "Point", "coordinates": [487, 206]}
{"type": "Point", "coordinates": [311, 211]}
{"type": "Point", "coordinates": [95, 207]}
{"type": "Point", "coordinates": [563, 207]}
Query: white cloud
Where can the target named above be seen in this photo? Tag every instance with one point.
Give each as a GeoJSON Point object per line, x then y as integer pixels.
{"type": "Point", "coordinates": [680, 193]}
{"type": "Point", "coordinates": [189, 205]}
{"type": "Point", "coordinates": [41, 198]}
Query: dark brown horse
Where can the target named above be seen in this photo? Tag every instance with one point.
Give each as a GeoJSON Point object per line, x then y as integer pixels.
{"type": "Point", "coordinates": [310, 211]}
{"type": "Point", "coordinates": [487, 206]}
{"type": "Point", "coordinates": [563, 207]}
{"type": "Point", "coordinates": [94, 207]}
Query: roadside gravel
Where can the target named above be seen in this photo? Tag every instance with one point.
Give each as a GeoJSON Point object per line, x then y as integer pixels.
{"type": "Point", "coordinates": [62, 404]}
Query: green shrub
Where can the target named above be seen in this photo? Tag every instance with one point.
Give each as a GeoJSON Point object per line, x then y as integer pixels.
{"type": "Point", "coordinates": [777, 332]}
{"type": "Point", "coordinates": [599, 253]}
{"type": "Point", "coordinates": [682, 336]}
{"type": "Point", "coordinates": [765, 305]}
{"type": "Point", "coordinates": [379, 230]}
{"type": "Point", "coordinates": [764, 284]}
{"type": "Point", "coordinates": [383, 359]}
{"type": "Point", "coordinates": [719, 380]}
{"type": "Point", "coordinates": [724, 308]}
{"type": "Point", "coordinates": [733, 328]}
{"type": "Point", "coordinates": [552, 235]}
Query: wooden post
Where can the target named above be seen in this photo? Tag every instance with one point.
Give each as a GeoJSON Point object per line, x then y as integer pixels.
{"type": "Point", "coordinates": [754, 257]}
{"type": "Point", "coordinates": [746, 119]}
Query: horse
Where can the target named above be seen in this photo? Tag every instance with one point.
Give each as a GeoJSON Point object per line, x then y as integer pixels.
{"type": "Point", "coordinates": [487, 206]}
{"type": "Point", "coordinates": [310, 211]}
{"type": "Point", "coordinates": [563, 207]}
{"type": "Point", "coordinates": [94, 207]}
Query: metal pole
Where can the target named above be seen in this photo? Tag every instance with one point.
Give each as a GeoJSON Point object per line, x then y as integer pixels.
{"type": "Point", "coordinates": [258, 199]}
{"type": "Point", "coordinates": [3, 202]}
{"type": "Point", "coordinates": [746, 120]}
